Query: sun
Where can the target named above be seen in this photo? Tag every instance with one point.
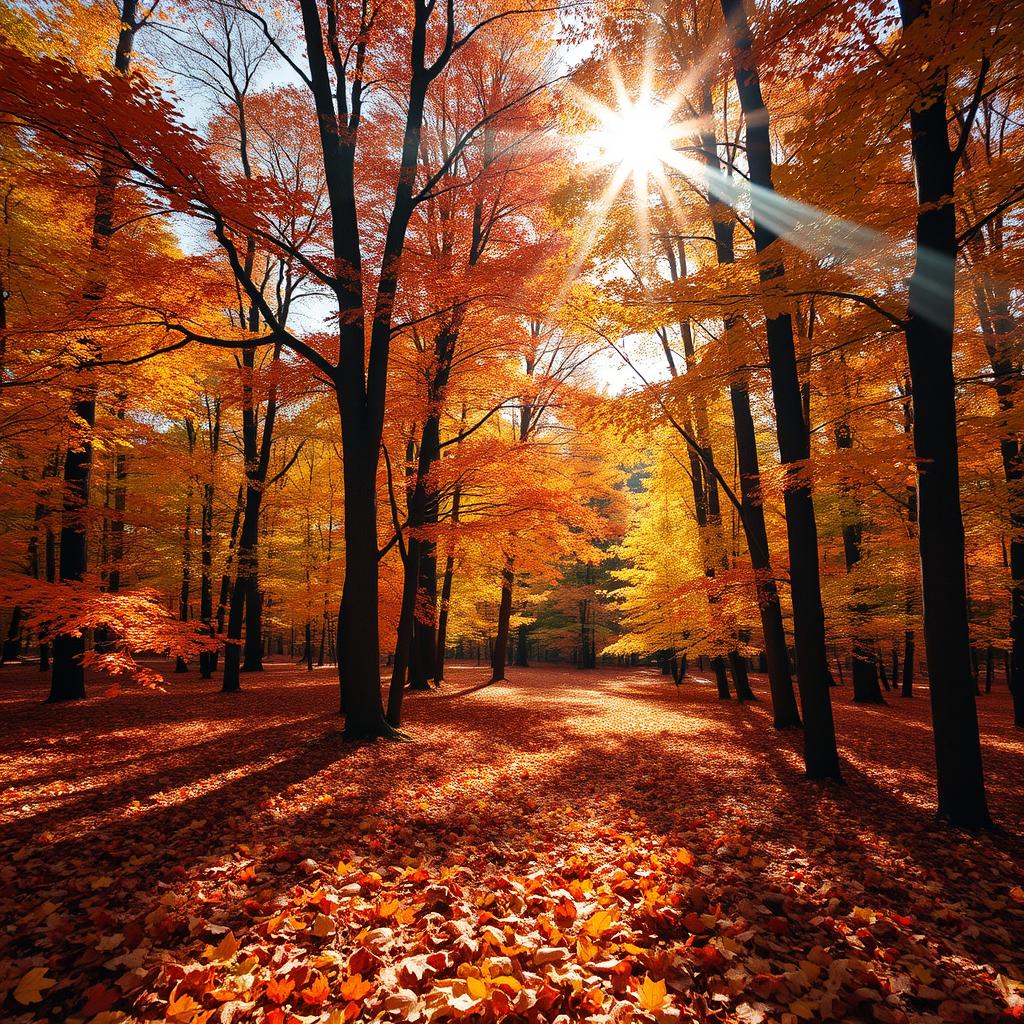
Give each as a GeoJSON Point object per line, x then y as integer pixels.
{"type": "Point", "coordinates": [637, 136]}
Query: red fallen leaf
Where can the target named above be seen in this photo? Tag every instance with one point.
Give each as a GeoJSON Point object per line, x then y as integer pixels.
{"type": "Point", "coordinates": [279, 989]}
{"type": "Point", "coordinates": [778, 926]}
{"type": "Point", "coordinates": [363, 962]}
{"type": "Point", "coordinates": [501, 1003]}
{"type": "Point", "coordinates": [547, 996]}
{"type": "Point", "coordinates": [99, 998]}
{"type": "Point", "coordinates": [709, 956]}
{"type": "Point", "coordinates": [694, 924]}
{"type": "Point", "coordinates": [317, 992]}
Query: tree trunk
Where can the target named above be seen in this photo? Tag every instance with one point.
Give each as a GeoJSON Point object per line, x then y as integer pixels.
{"type": "Point", "coordinates": [929, 336]}
{"type": "Point", "coordinates": [446, 593]}
{"type": "Point", "coordinates": [500, 651]}
{"type": "Point", "coordinates": [240, 590]}
{"type": "Point", "coordinates": [12, 643]}
{"type": "Point", "coordinates": [403, 640]}
{"type": "Point", "coordinates": [820, 754]}
{"type": "Point", "coordinates": [721, 678]}
{"type": "Point", "coordinates": [740, 676]}
{"type": "Point", "coordinates": [358, 637]}
{"type": "Point", "coordinates": [907, 687]}
{"type": "Point", "coordinates": [522, 647]}
{"type": "Point", "coordinates": [68, 678]}
{"type": "Point", "coordinates": [780, 682]}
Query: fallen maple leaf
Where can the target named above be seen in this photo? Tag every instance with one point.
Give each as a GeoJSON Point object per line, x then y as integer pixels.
{"type": "Point", "coordinates": [318, 992]}
{"type": "Point", "coordinates": [650, 994]}
{"type": "Point", "coordinates": [355, 989]}
{"type": "Point", "coordinates": [30, 988]}
{"type": "Point", "coordinates": [279, 989]}
{"type": "Point", "coordinates": [224, 950]}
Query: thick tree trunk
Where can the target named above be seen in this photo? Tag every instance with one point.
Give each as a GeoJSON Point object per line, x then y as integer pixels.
{"type": "Point", "coordinates": [721, 677]}
{"type": "Point", "coordinates": [740, 677]}
{"type": "Point", "coordinates": [820, 754]}
{"type": "Point", "coordinates": [780, 682]}
{"type": "Point", "coordinates": [358, 637]}
{"type": "Point", "coordinates": [929, 335]}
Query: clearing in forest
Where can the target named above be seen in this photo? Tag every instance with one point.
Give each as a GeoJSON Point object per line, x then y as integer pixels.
{"type": "Point", "coordinates": [564, 846]}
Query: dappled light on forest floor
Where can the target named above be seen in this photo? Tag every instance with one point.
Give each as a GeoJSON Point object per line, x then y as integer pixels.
{"type": "Point", "coordinates": [591, 845]}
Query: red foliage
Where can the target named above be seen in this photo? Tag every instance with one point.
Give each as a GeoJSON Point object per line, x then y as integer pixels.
{"type": "Point", "coordinates": [592, 846]}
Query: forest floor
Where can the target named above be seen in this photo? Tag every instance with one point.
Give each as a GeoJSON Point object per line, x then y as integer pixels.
{"type": "Point", "coordinates": [564, 846]}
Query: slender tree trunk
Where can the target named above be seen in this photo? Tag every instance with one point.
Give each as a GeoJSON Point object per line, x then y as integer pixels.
{"type": "Point", "coordinates": [929, 335]}
{"type": "Point", "coordinates": [522, 659]}
{"type": "Point", "coordinates": [446, 592]}
{"type": "Point", "coordinates": [780, 682]}
{"type": "Point", "coordinates": [500, 651]}
{"type": "Point", "coordinates": [820, 753]}
{"type": "Point", "coordinates": [247, 540]}
{"type": "Point", "coordinates": [206, 658]}
{"type": "Point", "coordinates": [403, 640]}
{"type": "Point", "coordinates": [12, 644]}
{"type": "Point", "coordinates": [68, 678]}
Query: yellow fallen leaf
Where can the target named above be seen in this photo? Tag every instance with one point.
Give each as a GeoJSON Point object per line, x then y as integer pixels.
{"type": "Point", "coordinates": [600, 921]}
{"type": "Point", "coordinates": [477, 988]}
{"type": "Point", "coordinates": [224, 950]}
{"type": "Point", "coordinates": [322, 926]}
{"type": "Point", "coordinates": [801, 1009]}
{"type": "Point", "coordinates": [651, 995]}
{"type": "Point", "coordinates": [585, 949]}
{"type": "Point", "coordinates": [30, 988]}
{"type": "Point", "coordinates": [922, 974]}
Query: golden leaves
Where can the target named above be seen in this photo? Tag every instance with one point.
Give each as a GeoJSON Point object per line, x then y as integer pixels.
{"type": "Point", "coordinates": [32, 985]}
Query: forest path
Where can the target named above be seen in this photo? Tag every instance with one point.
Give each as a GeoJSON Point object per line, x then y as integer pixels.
{"type": "Point", "coordinates": [210, 812]}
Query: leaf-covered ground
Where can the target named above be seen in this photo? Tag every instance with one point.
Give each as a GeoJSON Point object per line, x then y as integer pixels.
{"type": "Point", "coordinates": [567, 846]}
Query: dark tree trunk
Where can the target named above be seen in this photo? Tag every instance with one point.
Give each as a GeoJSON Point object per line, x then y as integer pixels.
{"type": "Point", "coordinates": [500, 652]}
{"type": "Point", "coordinates": [522, 647]}
{"type": "Point", "coordinates": [12, 643]}
{"type": "Point", "coordinates": [446, 594]}
{"type": "Point", "coordinates": [252, 660]}
{"type": "Point", "coordinates": [240, 590]}
{"type": "Point", "coordinates": [403, 640]}
{"type": "Point", "coordinates": [784, 710]}
{"type": "Point", "coordinates": [68, 679]}
{"type": "Point", "coordinates": [358, 637]}
{"type": "Point", "coordinates": [820, 754]}
{"type": "Point", "coordinates": [907, 687]}
{"type": "Point", "coordinates": [721, 677]}
{"type": "Point", "coordinates": [929, 335]}
{"type": "Point", "coordinates": [740, 676]}
{"type": "Point", "coordinates": [780, 683]}
{"type": "Point", "coordinates": [207, 661]}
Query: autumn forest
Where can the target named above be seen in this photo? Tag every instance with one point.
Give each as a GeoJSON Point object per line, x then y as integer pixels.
{"type": "Point", "coordinates": [511, 511]}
